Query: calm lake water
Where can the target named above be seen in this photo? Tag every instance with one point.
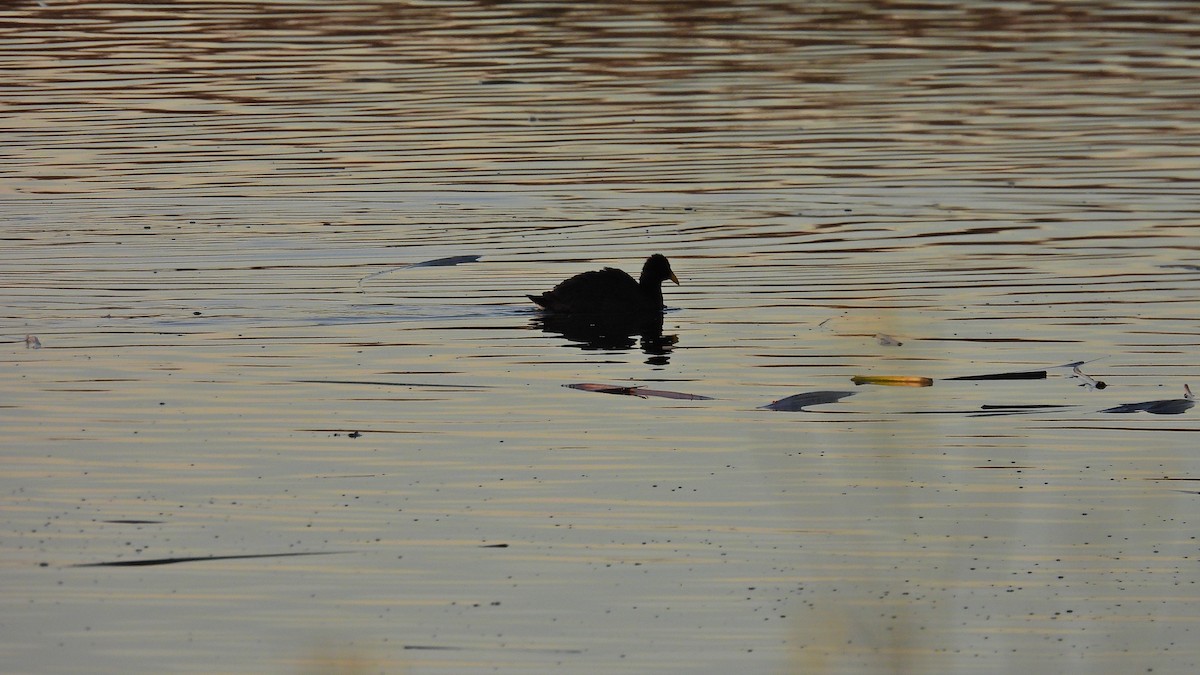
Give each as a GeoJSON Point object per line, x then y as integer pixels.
{"type": "Point", "coordinates": [248, 434]}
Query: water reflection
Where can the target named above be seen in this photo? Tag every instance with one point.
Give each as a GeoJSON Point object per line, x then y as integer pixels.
{"type": "Point", "coordinates": [1003, 185]}
{"type": "Point", "coordinates": [597, 332]}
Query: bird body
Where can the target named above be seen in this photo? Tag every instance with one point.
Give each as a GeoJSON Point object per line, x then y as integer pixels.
{"type": "Point", "coordinates": [611, 292]}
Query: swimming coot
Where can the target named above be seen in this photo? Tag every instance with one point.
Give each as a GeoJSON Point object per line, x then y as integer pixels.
{"type": "Point", "coordinates": [611, 291]}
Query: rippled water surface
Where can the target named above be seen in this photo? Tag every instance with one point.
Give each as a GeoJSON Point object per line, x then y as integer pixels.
{"type": "Point", "coordinates": [247, 432]}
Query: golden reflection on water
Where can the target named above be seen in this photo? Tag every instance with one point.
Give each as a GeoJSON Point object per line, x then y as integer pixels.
{"type": "Point", "coordinates": [365, 97]}
{"type": "Point", "coordinates": [211, 213]}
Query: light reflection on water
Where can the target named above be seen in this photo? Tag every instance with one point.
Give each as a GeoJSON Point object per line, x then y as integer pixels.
{"type": "Point", "coordinates": [209, 211]}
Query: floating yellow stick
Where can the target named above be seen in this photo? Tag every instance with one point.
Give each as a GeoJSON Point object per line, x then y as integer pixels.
{"type": "Point", "coordinates": [893, 380]}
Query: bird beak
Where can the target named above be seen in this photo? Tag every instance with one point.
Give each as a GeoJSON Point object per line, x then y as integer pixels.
{"type": "Point", "coordinates": [674, 278]}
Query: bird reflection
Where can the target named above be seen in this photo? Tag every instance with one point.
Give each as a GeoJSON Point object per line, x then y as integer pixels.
{"type": "Point", "coordinates": [600, 332]}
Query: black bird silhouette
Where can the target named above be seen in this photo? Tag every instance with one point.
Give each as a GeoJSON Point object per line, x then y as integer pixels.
{"type": "Point", "coordinates": [611, 292]}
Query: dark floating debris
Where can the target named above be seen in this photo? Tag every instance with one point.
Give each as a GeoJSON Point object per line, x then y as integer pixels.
{"type": "Point", "coordinates": [436, 262]}
{"type": "Point", "coordinates": [893, 380]}
{"type": "Point", "coordinates": [1087, 381]}
{"type": "Point", "coordinates": [990, 410]}
{"type": "Point", "coordinates": [453, 648]}
{"type": "Point", "coordinates": [1028, 406]}
{"type": "Point", "coordinates": [660, 393]}
{"type": "Point", "coordinates": [1076, 364]}
{"type": "Point", "coordinates": [171, 561]}
{"type": "Point", "coordinates": [1170, 406]}
{"type": "Point", "coordinates": [374, 383]}
{"type": "Point", "coordinates": [641, 392]}
{"type": "Point", "coordinates": [604, 388]}
{"type": "Point", "coordinates": [445, 262]}
{"type": "Point", "coordinates": [1170, 478]}
{"type": "Point", "coordinates": [1020, 375]}
{"type": "Point", "coordinates": [798, 402]}
{"type": "Point", "coordinates": [886, 340]}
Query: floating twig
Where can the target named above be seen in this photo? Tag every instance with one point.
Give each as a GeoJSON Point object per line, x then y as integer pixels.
{"type": "Point", "coordinates": [1020, 375]}
{"type": "Point", "coordinates": [171, 561]}
{"type": "Point", "coordinates": [1028, 406]}
{"type": "Point", "coordinates": [640, 392]}
{"type": "Point", "coordinates": [893, 380]}
{"type": "Point", "coordinates": [1076, 364]}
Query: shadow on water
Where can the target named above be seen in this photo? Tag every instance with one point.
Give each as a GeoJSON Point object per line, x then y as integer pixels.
{"type": "Point", "coordinates": [595, 332]}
